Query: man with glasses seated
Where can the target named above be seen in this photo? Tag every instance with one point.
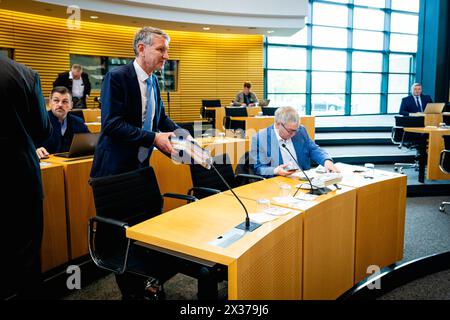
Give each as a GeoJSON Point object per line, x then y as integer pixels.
{"type": "Point", "coordinates": [64, 124]}
{"type": "Point", "coordinates": [269, 155]}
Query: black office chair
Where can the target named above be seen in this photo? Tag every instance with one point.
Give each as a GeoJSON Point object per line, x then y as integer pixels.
{"type": "Point", "coordinates": [409, 139]}
{"type": "Point", "coordinates": [209, 115]}
{"type": "Point", "coordinates": [78, 113]}
{"type": "Point", "coordinates": [244, 170]}
{"type": "Point", "coordinates": [207, 182]}
{"type": "Point", "coordinates": [268, 111]}
{"type": "Point", "coordinates": [444, 165]}
{"type": "Point", "coordinates": [446, 119]}
{"type": "Point", "coordinates": [121, 201]}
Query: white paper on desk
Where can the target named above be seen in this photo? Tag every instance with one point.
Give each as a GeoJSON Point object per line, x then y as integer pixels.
{"type": "Point", "coordinates": [261, 217]}
{"type": "Point", "coordinates": [299, 174]}
{"type": "Point", "coordinates": [303, 204]}
{"type": "Point", "coordinates": [277, 211]}
{"type": "Point", "coordinates": [284, 200]}
{"type": "Point", "coordinates": [306, 196]}
{"type": "Point", "coordinates": [44, 164]}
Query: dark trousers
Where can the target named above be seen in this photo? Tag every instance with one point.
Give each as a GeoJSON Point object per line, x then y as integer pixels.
{"type": "Point", "coordinates": [79, 103]}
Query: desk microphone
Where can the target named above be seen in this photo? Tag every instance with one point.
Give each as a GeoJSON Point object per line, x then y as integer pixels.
{"type": "Point", "coordinates": [247, 225]}
{"type": "Point", "coordinates": [198, 155]}
{"type": "Point", "coordinates": [312, 190]}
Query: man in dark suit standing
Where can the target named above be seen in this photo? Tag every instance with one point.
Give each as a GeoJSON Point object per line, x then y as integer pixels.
{"type": "Point", "coordinates": [78, 83]}
{"type": "Point", "coordinates": [24, 123]}
{"type": "Point", "coordinates": [133, 122]}
{"type": "Point", "coordinates": [416, 102]}
{"type": "Point", "coordinates": [64, 124]}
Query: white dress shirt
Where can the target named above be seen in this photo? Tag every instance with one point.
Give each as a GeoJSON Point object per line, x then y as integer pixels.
{"type": "Point", "coordinates": [77, 86]}
{"type": "Point", "coordinates": [142, 78]}
{"type": "Point", "coordinates": [287, 159]}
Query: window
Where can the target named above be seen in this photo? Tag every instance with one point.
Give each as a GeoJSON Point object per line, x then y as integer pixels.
{"type": "Point", "coordinates": [352, 57]}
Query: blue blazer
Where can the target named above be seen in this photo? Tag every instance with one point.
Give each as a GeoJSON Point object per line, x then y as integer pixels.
{"type": "Point", "coordinates": [122, 133]}
{"type": "Point", "coordinates": [409, 105]}
{"type": "Point", "coordinates": [265, 153]}
{"type": "Point", "coordinates": [58, 143]}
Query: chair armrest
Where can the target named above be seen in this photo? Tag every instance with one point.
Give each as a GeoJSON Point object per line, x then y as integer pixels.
{"type": "Point", "coordinates": [99, 262]}
{"type": "Point", "coordinates": [250, 176]}
{"type": "Point", "coordinates": [186, 197]}
{"type": "Point", "coordinates": [203, 189]}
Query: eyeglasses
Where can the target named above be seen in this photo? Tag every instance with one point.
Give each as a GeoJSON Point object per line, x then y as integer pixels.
{"type": "Point", "coordinates": [290, 131]}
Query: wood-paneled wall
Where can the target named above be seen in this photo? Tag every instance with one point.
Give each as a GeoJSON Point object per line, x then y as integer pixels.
{"type": "Point", "coordinates": [211, 65]}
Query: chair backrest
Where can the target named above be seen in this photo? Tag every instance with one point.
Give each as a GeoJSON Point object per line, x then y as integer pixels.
{"type": "Point", "coordinates": [409, 121]}
{"type": "Point", "coordinates": [236, 112]}
{"type": "Point", "coordinates": [446, 119]}
{"type": "Point", "coordinates": [268, 111]}
{"type": "Point", "coordinates": [78, 113]}
{"type": "Point", "coordinates": [202, 177]}
{"type": "Point", "coordinates": [130, 197]}
{"type": "Point", "coordinates": [444, 163]}
{"type": "Point", "coordinates": [211, 103]}
{"type": "Point", "coordinates": [244, 167]}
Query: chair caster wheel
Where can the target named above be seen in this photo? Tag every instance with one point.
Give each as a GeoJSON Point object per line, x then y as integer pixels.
{"type": "Point", "coordinates": [441, 208]}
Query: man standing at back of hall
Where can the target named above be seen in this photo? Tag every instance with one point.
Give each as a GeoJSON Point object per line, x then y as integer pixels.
{"type": "Point", "coordinates": [78, 83]}
{"type": "Point", "coordinates": [416, 102]}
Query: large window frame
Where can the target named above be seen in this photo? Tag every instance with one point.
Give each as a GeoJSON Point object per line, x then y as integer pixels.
{"type": "Point", "coordinates": [387, 100]}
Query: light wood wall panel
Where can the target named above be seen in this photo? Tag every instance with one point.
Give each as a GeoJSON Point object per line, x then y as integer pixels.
{"type": "Point", "coordinates": [211, 65]}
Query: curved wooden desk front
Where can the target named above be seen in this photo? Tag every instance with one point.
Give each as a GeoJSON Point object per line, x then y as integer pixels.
{"type": "Point", "coordinates": [316, 253]}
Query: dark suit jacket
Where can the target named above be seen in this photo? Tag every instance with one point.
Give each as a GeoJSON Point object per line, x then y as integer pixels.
{"type": "Point", "coordinates": [58, 143]}
{"type": "Point", "coordinates": [24, 122]}
{"type": "Point", "coordinates": [265, 152]}
{"type": "Point", "coordinates": [63, 80]}
{"type": "Point", "coordinates": [409, 105]}
{"type": "Point", "coordinates": [122, 133]}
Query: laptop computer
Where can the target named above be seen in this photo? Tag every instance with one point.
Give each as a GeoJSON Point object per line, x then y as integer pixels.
{"type": "Point", "coordinates": [434, 107]}
{"type": "Point", "coordinates": [83, 144]}
{"type": "Point", "coordinates": [264, 102]}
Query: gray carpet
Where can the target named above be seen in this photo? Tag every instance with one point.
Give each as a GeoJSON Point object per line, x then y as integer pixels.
{"type": "Point", "coordinates": [427, 231]}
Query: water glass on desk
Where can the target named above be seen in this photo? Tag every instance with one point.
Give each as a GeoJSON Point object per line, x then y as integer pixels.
{"type": "Point", "coordinates": [285, 190]}
{"type": "Point", "coordinates": [262, 204]}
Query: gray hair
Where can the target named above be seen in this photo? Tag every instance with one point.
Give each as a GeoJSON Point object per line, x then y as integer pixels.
{"type": "Point", "coordinates": [145, 36]}
{"type": "Point", "coordinates": [416, 84]}
{"type": "Point", "coordinates": [286, 114]}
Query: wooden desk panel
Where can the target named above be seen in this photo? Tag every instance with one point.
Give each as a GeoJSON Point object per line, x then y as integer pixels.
{"type": "Point", "coordinates": [54, 250]}
{"type": "Point", "coordinates": [328, 236]}
{"type": "Point", "coordinates": [435, 146]}
{"type": "Point", "coordinates": [94, 127]}
{"type": "Point", "coordinates": [79, 201]}
{"type": "Point", "coordinates": [91, 115]}
{"type": "Point", "coordinates": [253, 261]}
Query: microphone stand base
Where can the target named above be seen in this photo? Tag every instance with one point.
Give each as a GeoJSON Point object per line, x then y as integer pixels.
{"type": "Point", "coordinates": [319, 191]}
{"type": "Point", "coordinates": [252, 226]}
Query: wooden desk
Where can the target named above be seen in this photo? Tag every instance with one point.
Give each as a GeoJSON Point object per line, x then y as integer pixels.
{"type": "Point", "coordinates": [91, 115]}
{"type": "Point", "coordinates": [254, 124]}
{"type": "Point", "coordinates": [79, 201]}
{"type": "Point", "coordinates": [173, 177]}
{"type": "Point", "coordinates": [328, 236]}
{"type": "Point", "coordinates": [54, 250]}
{"type": "Point", "coordinates": [94, 127]}
{"type": "Point", "coordinates": [431, 119]}
{"type": "Point", "coordinates": [380, 217]}
{"type": "Point", "coordinates": [264, 264]}
{"type": "Point", "coordinates": [435, 146]}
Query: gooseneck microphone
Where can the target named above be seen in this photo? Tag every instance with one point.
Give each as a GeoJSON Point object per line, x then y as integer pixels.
{"type": "Point", "coordinates": [312, 190]}
{"type": "Point", "coordinates": [247, 225]}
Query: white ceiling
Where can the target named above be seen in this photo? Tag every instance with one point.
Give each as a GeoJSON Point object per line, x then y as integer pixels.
{"type": "Point", "coordinates": [283, 17]}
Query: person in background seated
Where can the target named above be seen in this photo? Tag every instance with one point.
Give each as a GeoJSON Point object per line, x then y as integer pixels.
{"type": "Point", "coordinates": [416, 102]}
{"type": "Point", "coordinates": [246, 97]}
{"type": "Point", "coordinates": [78, 83]}
{"type": "Point", "coordinates": [270, 158]}
{"type": "Point", "coordinates": [64, 124]}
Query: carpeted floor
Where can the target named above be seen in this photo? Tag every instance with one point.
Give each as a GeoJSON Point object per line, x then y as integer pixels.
{"type": "Point", "coordinates": [427, 231]}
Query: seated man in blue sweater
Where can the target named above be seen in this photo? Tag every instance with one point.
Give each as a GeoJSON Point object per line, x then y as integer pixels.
{"type": "Point", "coordinates": [64, 124]}
{"type": "Point", "coordinates": [269, 155]}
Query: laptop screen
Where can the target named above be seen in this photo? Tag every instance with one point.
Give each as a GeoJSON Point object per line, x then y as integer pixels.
{"type": "Point", "coordinates": [83, 144]}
